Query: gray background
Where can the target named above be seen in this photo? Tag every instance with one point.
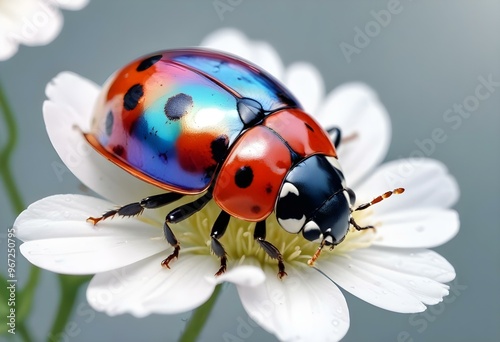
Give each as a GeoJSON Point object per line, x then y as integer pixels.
{"type": "Point", "coordinates": [427, 58]}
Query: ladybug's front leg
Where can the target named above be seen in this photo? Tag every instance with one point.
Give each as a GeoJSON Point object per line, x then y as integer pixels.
{"type": "Point", "coordinates": [259, 235]}
{"type": "Point", "coordinates": [177, 215]}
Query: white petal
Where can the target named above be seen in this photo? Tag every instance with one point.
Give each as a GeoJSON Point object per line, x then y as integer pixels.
{"type": "Point", "coordinates": [365, 125]}
{"type": "Point", "coordinates": [88, 255]}
{"type": "Point", "coordinates": [391, 282]}
{"type": "Point", "coordinates": [266, 57]}
{"type": "Point", "coordinates": [67, 114]}
{"type": "Point", "coordinates": [305, 82]}
{"type": "Point", "coordinates": [229, 40]}
{"type": "Point", "coordinates": [59, 239]}
{"type": "Point", "coordinates": [73, 5]}
{"type": "Point", "coordinates": [8, 47]}
{"type": "Point", "coordinates": [304, 306]}
{"type": "Point", "coordinates": [31, 22]}
{"type": "Point", "coordinates": [420, 262]}
{"type": "Point", "coordinates": [427, 182]}
{"type": "Point", "coordinates": [422, 228]}
{"type": "Point", "coordinates": [50, 217]}
{"type": "Point", "coordinates": [235, 42]}
{"type": "Point", "coordinates": [73, 91]}
{"type": "Point", "coordinates": [39, 25]}
{"type": "Point", "coordinates": [145, 287]}
{"type": "Point", "coordinates": [245, 275]}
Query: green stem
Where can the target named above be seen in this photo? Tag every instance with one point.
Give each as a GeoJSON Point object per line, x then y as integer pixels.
{"type": "Point", "coordinates": [24, 332]}
{"type": "Point", "coordinates": [70, 285]}
{"type": "Point", "coordinates": [199, 318]}
{"type": "Point", "coordinates": [6, 152]}
{"type": "Point", "coordinates": [28, 292]}
{"type": "Point", "coordinates": [17, 204]}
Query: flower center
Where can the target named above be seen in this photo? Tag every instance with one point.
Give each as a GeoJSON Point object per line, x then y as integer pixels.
{"type": "Point", "coordinates": [238, 241]}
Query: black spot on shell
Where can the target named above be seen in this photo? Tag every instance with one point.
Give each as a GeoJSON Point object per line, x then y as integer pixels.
{"type": "Point", "coordinates": [256, 209]}
{"type": "Point", "coordinates": [153, 131]}
{"type": "Point", "coordinates": [269, 188]}
{"type": "Point", "coordinates": [148, 62]}
{"type": "Point", "coordinates": [118, 150]}
{"type": "Point", "coordinates": [132, 96]}
{"type": "Point", "coordinates": [163, 156]}
{"type": "Point", "coordinates": [219, 148]}
{"type": "Point", "coordinates": [309, 127]}
{"type": "Point", "coordinates": [177, 106]}
{"type": "Point", "coordinates": [209, 172]}
{"type": "Point", "coordinates": [109, 123]}
{"type": "Point", "coordinates": [243, 177]}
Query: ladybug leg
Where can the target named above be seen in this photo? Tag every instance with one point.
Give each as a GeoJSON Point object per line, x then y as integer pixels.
{"type": "Point", "coordinates": [337, 137]}
{"type": "Point", "coordinates": [260, 235]}
{"type": "Point", "coordinates": [134, 209]}
{"type": "Point", "coordinates": [218, 229]}
{"type": "Point", "coordinates": [179, 214]}
{"type": "Point", "coordinates": [358, 227]}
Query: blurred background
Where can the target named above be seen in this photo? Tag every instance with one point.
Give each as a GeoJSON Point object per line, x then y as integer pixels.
{"type": "Point", "coordinates": [423, 61]}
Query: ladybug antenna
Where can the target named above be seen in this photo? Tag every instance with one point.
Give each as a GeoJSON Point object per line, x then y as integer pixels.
{"type": "Point", "coordinates": [315, 257]}
{"type": "Point", "coordinates": [380, 198]}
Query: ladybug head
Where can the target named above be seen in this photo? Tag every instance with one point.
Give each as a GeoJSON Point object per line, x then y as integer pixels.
{"type": "Point", "coordinates": [314, 200]}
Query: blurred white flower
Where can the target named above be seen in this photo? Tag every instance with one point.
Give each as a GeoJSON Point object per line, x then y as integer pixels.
{"type": "Point", "coordinates": [31, 22]}
{"type": "Point", "coordinates": [390, 267]}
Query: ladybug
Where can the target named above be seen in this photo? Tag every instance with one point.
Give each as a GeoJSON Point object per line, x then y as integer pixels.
{"type": "Point", "coordinates": [196, 121]}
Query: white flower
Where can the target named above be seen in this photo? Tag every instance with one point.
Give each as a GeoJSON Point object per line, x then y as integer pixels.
{"type": "Point", "coordinates": [31, 22]}
{"type": "Point", "coordinates": [390, 267]}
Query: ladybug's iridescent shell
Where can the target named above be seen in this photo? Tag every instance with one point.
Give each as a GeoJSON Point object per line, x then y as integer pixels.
{"type": "Point", "coordinates": [170, 118]}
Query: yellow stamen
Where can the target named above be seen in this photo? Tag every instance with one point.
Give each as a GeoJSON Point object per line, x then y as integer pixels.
{"type": "Point", "coordinates": [194, 235]}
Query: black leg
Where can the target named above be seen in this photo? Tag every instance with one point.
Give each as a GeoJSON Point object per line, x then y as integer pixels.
{"type": "Point", "coordinates": [337, 138]}
{"type": "Point", "coordinates": [186, 210]}
{"type": "Point", "coordinates": [172, 240]}
{"type": "Point", "coordinates": [137, 208]}
{"type": "Point", "coordinates": [260, 235]}
{"type": "Point", "coordinates": [179, 214]}
{"type": "Point", "coordinates": [358, 227]}
{"type": "Point", "coordinates": [218, 229]}
{"type": "Point", "coordinates": [338, 135]}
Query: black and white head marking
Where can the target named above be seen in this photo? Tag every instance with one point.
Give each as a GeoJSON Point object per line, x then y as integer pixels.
{"type": "Point", "coordinates": [336, 165]}
{"type": "Point", "coordinates": [350, 197]}
{"type": "Point", "coordinates": [291, 220]}
{"type": "Point", "coordinates": [312, 232]}
{"type": "Point", "coordinates": [287, 189]}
